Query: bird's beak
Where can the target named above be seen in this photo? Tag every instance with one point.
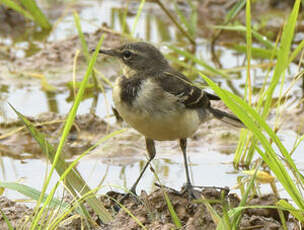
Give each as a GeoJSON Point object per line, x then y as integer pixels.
{"type": "Point", "coordinates": [110, 52]}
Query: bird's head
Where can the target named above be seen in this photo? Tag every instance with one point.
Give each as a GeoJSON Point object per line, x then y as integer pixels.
{"type": "Point", "coordinates": [138, 56]}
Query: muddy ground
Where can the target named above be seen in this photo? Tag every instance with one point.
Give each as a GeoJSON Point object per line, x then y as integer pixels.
{"type": "Point", "coordinates": [151, 211]}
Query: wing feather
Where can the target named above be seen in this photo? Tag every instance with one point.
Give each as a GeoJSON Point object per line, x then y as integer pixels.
{"type": "Point", "coordinates": [177, 84]}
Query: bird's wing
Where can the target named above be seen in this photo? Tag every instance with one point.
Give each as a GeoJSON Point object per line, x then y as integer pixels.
{"type": "Point", "coordinates": [191, 96]}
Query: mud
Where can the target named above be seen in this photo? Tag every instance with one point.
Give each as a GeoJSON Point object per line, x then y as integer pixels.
{"type": "Point", "coordinates": [293, 119]}
{"type": "Point", "coordinates": [215, 13]}
{"type": "Point", "coordinates": [151, 210]}
{"type": "Point", "coordinates": [87, 129]}
{"type": "Point", "coordinates": [58, 54]}
{"type": "Point", "coordinates": [15, 212]}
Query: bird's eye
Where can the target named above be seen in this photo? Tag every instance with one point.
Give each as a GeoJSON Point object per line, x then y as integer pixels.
{"type": "Point", "coordinates": [126, 54]}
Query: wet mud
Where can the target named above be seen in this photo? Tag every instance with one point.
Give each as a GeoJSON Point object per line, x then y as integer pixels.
{"type": "Point", "coordinates": [151, 211]}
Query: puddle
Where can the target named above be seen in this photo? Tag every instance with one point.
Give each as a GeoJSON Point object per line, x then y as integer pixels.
{"type": "Point", "coordinates": [25, 100]}
{"type": "Point", "coordinates": [208, 167]}
{"type": "Point", "coordinates": [170, 169]}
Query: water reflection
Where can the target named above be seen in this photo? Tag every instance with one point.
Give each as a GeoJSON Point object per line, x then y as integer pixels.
{"type": "Point", "coordinates": [171, 173]}
{"type": "Point", "coordinates": [208, 168]}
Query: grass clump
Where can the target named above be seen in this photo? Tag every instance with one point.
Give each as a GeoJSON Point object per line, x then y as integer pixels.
{"type": "Point", "coordinates": [30, 10]}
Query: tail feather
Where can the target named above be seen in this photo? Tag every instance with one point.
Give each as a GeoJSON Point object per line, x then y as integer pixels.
{"type": "Point", "coordinates": [226, 117]}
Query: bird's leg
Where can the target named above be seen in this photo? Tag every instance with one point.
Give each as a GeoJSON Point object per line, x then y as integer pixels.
{"type": "Point", "coordinates": [188, 186]}
{"type": "Point", "coordinates": [150, 146]}
{"type": "Point", "coordinates": [151, 151]}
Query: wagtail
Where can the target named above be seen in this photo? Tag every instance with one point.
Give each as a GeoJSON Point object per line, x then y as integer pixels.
{"type": "Point", "coordinates": [159, 102]}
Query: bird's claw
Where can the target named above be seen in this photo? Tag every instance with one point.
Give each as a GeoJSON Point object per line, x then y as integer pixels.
{"type": "Point", "coordinates": [192, 193]}
{"type": "Point", "coordinates": [131, 194]}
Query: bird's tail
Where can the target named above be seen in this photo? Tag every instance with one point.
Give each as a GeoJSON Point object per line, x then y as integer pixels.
{"type": "Point", "coordinates": [226, 117]}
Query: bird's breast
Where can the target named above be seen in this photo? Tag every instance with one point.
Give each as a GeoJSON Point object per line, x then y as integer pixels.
{"type": "Point", "coordinates": [153, 112]}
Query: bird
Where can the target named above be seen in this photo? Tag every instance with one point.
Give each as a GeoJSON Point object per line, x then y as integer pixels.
{"type": "Point", "coordinates": [159, 102]}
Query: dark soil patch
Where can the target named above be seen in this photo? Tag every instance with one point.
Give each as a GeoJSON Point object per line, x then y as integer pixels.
{"type": "Point", "coordinates": [154, 214]}
{"type": "Point", "coordinates": [152, 211]}
{"type": "Point", "coordinates": [15, 212]}
{"type": "Point", "coordinates": [215, 12]}
{"type": "Point", "coordinates": [87, 129]}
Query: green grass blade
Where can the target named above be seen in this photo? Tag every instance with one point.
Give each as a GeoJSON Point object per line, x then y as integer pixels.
{"type": "Point", "coordinates": [123, 20]}
{"type": "Point", "coordinates": [257, 52]}
{"type": "Point", "coordinates": [193, 18]}
{"type": "Point", "coordinates": [173, 214]}
{"type": "Point", "coordinates": [185, 21]}
{"type": "Point", "coordinates": [93, 202]}
{"type": "Point", "coordinates": [213, 213]}
{"type": "Point", "coordinates": [245, 196]}
{"type": "Point", "coordinates": [271, 157]}
{"type": "Point", "coordinates": [58, 219]}
{"type": "Point", "coordinates": [142, 3]}
{"type": "Point", "coordinates": [283, 54]}
{"type": "Point", "coordinates": [129, 213]}
{"type": "Point", "coordinates": [73, 180]}
{"type": "Point", "coordinates": [85, 49]}
{"type": "Point", "coordinates": [235, 216]}
{"type": "Point", "coordinates": [72, 113]}
{"type": "Point", "coordinates": [295, 212]}
{"type": "Point", "coordinates": [31, 193]}
{"type": "Point", "coordinates": [176, 23]}
{"type": "Point", "coordinates": [243, 141]}
{"type": "Point", "coordinates": [255, 123]}
{"type": "Point", "coordinates": [49, 150]}
{"type": "Point", "coordinates": [235, 10]}
{"type": "Point", "coordinates": [81, 37]}
{"type": "Point", "coordinates": [240, 28]}
{"type": "Point", "coordinates": [297, 50]}
{"type": "Point", "coordinates": [37, 14]}
{"type": "Point", "coordinates": [57, 162]}
{"type": "Point", "coordinates": [13, 5]}
{"type": "Point", "coordinates": [79, 202]}
{"type": "Point", "coordinates": [185, 65]}
{"type": "Point", "coordinates": [248, 87]}
{"type": "Point", "coordinates": [8, 223]}
{"type": "Point", "coordinates": [250, 152]}
{"type": "Point", "coordinates": [235, 211]}
{"type": "Point", "coordinates": [199, 62]}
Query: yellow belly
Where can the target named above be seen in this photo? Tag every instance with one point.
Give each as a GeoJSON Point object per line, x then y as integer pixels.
{"type": "Point", "coordinates": [162, 128]}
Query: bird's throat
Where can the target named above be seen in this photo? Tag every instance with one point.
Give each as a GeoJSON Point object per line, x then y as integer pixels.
{"type": "Point", "coordinates": [127, 71]}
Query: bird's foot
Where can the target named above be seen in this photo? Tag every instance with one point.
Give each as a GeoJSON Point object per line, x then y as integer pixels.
{"type": "Point", "coordinates": [132, 194]}
{"type": "Point", "coordinates": [226, 189]}
{"type": "Point", "coordinates": [168, 188]}
{"type": "Point", "coordinates": [187, 188]}
{"type": "Point", "coordinates": [192, 193]}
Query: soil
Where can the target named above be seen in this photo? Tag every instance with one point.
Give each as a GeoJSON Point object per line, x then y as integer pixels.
{"type": "Point", "coordinates": [87, 129]}
{"type": "Point", "coordinates": [151, 210]}
{"type": "Point", "coordinates": [215, 11]}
